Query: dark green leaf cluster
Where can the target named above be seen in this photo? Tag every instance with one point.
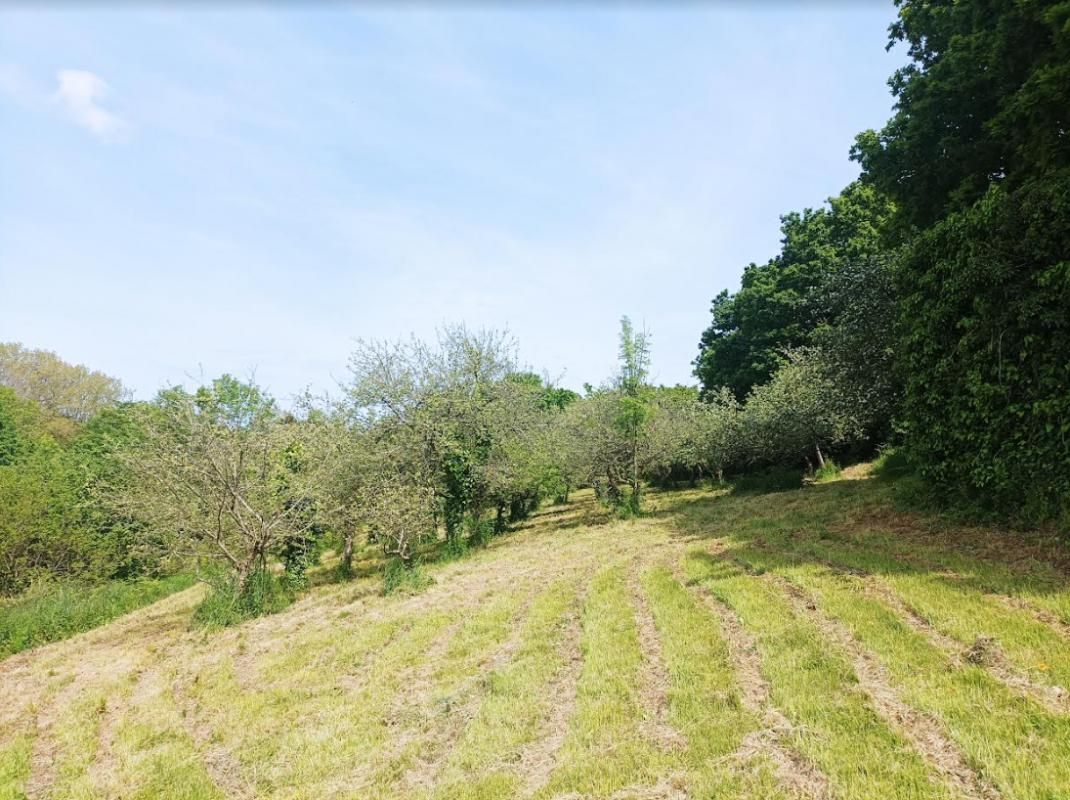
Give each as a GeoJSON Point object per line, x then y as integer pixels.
{"type": "Point", "coordinates": [977, 160]}
{"type": "Point", "coordinates": [776, 307]}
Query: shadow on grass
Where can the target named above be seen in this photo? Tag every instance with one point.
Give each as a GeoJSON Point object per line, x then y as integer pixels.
{"type": "Point", "coordinates": [857, 526]}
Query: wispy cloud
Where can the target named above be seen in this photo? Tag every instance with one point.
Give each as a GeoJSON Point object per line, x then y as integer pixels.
{"type": "Point", "coordinates": [81, 93]}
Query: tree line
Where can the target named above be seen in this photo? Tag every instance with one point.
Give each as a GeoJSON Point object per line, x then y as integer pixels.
{"type": "Point", "coordinates": [925, 306]}
{"type": "Point", "coordinates": [930, 296]}
{"type": "Point", "coordinates": [430, 447]}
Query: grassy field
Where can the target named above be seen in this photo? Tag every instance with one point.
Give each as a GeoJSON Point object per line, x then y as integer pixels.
{"type": "Point", "coordinates": [800, 644]}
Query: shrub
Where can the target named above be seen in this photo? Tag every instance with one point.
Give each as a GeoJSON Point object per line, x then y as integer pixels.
{"type": "Point", "coordinates": [829, 472]}
{"type": "Point", "coordinates": [399, 576]}
{"type": "Point", "coordinates": [229, 603]}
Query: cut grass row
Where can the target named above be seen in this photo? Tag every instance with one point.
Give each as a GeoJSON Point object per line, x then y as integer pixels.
{"type": "Point", "coordinates": [705, 703]}
{"type": "Point", "coordinates": [1021, 748]}
{"type": "Point", "coordinates": [1015, 744]}
{"type": "Point", "coordinates": [533, 677]}
{"type": "Point", "coordinates": [605, 750]}
{"type": "Point", "coordinates": [511, 717]}
{"type": "Point", "coordinates": [834, 723]}
{"type": "Point", "coordinates": [952, 606]}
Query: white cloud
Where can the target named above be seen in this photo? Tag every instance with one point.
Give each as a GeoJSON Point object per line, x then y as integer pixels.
{"type": "Point", "coordinates": [80, 92]}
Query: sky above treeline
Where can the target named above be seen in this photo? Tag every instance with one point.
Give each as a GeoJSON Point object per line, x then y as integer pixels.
{"type": "Point", "coordinates": [187, 191]}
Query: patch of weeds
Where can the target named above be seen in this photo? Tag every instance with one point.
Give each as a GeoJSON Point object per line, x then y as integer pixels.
{"type": "Point", "coordinates": [453, 549]}
{"type": "Point", "coordinates": [830, 472]}
{"type": "Point", "coordinates": [230, 603]}
{"type": "Point", "coordinates": [50, 612]}
{"type": "Point", "coordinates": [480, 532]}
{"type": "Point", "coordinates": [404, 578]}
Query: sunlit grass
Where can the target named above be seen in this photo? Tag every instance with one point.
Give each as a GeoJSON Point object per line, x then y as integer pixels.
{"type": "Point", "coordinates": [605, 749]}
{"type": "Point", "coordinates": [528, 668]}
{"type": "Point", "coordinates": [481, 766]}
{"type": "Point", "coordinates": [814, 685]}
{"type": "Point", "coordinates": [15, 767]}
{"type": "Point", "coordinates": [155, 759]}
{"type": "Point", "coordinates": [1021, 748]}
{"type": "Point", "coordinates": [704, 697]}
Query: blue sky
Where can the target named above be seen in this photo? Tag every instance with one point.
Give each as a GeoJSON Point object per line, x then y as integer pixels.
{"type": "Point", "coordinates": [187, 191]}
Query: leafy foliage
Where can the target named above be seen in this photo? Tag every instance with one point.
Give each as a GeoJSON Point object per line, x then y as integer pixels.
{"type": "Point", "coordinates": [984, 99]}
{"type": "Point", "coordinates": [977, 159]}
{"type": "Point", "coordinates": [986, 351]}
{"type": "Point", "coordinates": [775, 307]}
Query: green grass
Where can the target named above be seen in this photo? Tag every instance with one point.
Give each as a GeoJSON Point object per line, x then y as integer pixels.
{"type": "Point", "coordinates": [154, 757]}
{"type": "Point", "coordinates": [605, 749]}
{"type": "Point", "coordinates": [1025, 750]}
{"type": "Point", "coordinates": [948, 599]}
{"type": "Point", "coordinates": [449, 685]}
{"type": "Point", "coordinates": [227, 604]}
{"type": "Point", "coordinates": [15, 767]}
{"type": "Point", "coordinates": [61, 610]}
{"type": "Point", "coordinates": [479, 768]}
{"type": "Point", "coordinates": [584, 657]}
{"type": "Point", "coordinates": [704, 698]}
{"type": "Point", "coordinates": [829, 472]}
{"type": "Point", "coordinates": [813, 684]}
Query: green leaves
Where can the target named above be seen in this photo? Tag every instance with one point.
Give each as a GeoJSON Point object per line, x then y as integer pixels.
{"type": "Point", "coordinates": [777, 305]}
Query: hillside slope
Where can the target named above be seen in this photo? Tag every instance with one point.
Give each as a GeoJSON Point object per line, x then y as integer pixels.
{"type": "Point", "coordinates": [809, 643]}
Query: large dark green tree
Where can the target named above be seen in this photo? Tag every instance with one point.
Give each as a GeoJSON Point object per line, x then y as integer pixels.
{"type": "Point", "coordinates": [984, 99]}
{"type": "Point", "coordinates": [977, 160]}
{"type": "Point", "coordinates": [775, 308]}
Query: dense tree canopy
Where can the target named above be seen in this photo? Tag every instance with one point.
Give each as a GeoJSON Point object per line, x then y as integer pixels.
{"type": "Point", "coordinates": [984, 99]}
{"type": "Point", "coordinates": [977, 159]}
{"type": "Point", "coordinates": [775, 306]}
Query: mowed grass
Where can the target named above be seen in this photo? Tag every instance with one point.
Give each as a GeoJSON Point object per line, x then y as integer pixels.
{"type": "Point", "coordinates": [706, 650]}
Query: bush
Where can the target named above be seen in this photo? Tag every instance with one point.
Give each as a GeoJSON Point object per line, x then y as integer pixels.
{"type": "Point", "coordinates": [50, 612]}
{"type": "Point", "coordinates": [986, 349]}
{"type": "Point", "coordinates": [406, 578]}
{"type": "Point", "coordinates": [830, 472]}
{"type": "Point", "coordinates": [229, 604]}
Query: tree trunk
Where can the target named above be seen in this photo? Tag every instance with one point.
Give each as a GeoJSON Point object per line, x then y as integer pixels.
{"type": "Point", "coordinates": [820, 458]}
{"type": "Point", "coordinates": [635, 475]}
{"type": "Point", "coordinates": [347, 553]}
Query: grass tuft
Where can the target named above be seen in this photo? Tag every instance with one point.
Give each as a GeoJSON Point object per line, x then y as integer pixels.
{"type": "Point", "coordinates": [402, 578]}
{"type": "Point", "coordinates": [228, 604]}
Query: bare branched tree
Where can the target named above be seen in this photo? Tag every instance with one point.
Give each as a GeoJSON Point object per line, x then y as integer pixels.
{"type": "Point", "coordinates": [222, 475]}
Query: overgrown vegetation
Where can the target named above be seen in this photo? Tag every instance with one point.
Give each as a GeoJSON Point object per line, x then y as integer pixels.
{"type": "Point", "coordinates": [49, 613]}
